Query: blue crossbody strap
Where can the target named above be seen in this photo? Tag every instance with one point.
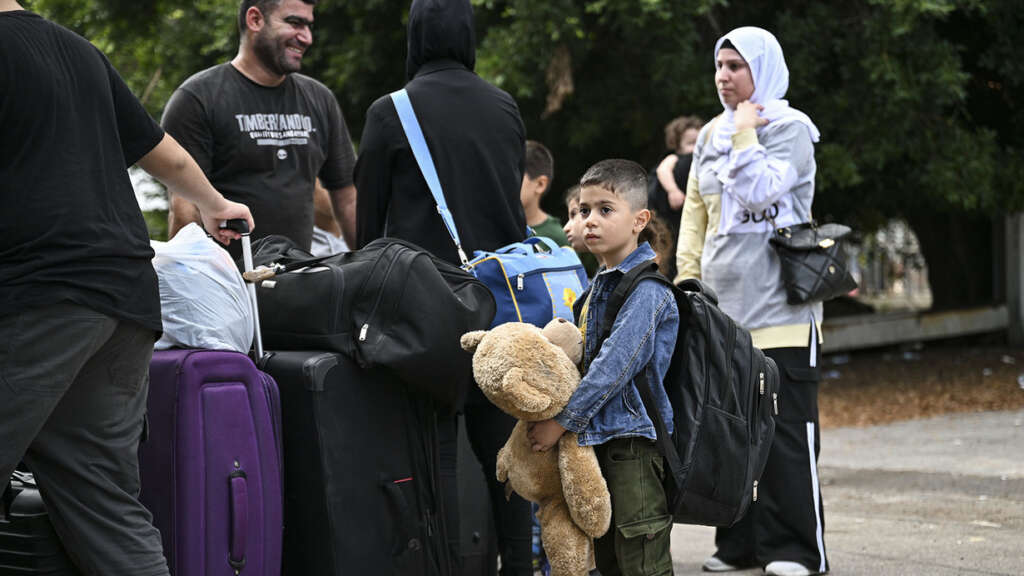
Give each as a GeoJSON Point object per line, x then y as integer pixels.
{"type": "Point", "coordinates": [418, 143]}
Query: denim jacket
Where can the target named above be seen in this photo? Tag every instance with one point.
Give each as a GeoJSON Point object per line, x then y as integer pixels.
{"type": "Point", "coordinates": [607, 404]}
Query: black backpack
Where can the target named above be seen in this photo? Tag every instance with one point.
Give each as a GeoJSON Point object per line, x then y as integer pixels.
{"type": "Point", "coordinates": [724, 395]}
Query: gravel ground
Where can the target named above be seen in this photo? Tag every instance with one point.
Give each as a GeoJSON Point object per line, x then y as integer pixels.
{"type": "Point", "coordinates": [882, 386]}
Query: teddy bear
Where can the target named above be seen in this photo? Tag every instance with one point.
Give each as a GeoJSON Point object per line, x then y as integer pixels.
{"type": "Point", "coordinates": [530, 374]}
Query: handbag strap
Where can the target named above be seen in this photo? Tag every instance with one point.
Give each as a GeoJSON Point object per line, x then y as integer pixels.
{"type": "Point", "coordinates": [413, 132]}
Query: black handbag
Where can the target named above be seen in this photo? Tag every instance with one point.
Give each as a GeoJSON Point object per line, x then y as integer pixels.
{"type": "Point", "coordinates": [813, 265]}
{"type": "Point", "coordinates": [390, 304]}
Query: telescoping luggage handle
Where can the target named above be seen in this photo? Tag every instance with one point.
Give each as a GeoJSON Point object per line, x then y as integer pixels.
{"type": "Point", "coordinates": [242, 227]}
{"type": "Point", "coordinates": [418, 143]}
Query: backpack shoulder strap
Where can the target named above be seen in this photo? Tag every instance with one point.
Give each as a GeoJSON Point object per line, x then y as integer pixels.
{"type": "Point", "coordinates": [622, 291]}
{"type": "Point", "coordinates": [664, 443]}
{"type": "Point", "coordinates": [625, 287]}
{"type": "Point", "coordinates": [577, 306]}
{"type": "Point", "coordinates": [420, 151]}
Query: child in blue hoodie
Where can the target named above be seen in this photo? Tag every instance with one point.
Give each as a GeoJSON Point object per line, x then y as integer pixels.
{"type": "Point", "coordinates": [606, 410]}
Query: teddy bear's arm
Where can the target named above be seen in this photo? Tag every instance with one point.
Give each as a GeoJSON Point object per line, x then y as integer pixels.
{"type": "Point", "coordinates": [471, 340]}
{"type": "Point", "coordinates": [502, 466]}
{"type": "Point", "coordinates": [568, 548]}
{"type": "Point", "coordinates": [583, 485]}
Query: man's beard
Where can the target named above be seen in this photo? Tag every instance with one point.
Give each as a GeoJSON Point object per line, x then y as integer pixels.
{"type": "Point", "coordinates": [272, 55]}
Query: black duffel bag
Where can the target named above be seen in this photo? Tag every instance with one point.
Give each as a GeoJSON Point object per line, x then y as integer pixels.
{"type": "Point", "coordinates": [390, 304]}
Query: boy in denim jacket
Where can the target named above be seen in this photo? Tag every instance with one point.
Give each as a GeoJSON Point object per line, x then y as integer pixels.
{"type": "Point", "coordinates": [606, 410]}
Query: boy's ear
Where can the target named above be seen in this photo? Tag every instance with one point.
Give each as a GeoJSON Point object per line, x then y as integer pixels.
{"type": "Point", "coordinates": [641, 220]}
{"type": "Point", "coordinates": [542, 182]}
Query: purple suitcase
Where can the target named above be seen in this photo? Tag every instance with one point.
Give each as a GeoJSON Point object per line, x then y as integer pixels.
{"type": "Point", "coordinates": [211, 466]}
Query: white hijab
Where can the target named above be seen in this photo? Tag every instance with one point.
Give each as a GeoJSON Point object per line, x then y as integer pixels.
{"type": "Point", "coordinates": [763, 55]}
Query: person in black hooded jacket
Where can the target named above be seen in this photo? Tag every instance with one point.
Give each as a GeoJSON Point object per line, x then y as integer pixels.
{"type": "Point", "coordinates": [477, 140]}
{"type": "Point", "coordinates": [475, 136]}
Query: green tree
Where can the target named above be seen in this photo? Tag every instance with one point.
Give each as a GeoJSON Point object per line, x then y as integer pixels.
{"type": "Point", "coordinates": [154, 44]}
{"type": "Point", "coordinates": [916, 99]}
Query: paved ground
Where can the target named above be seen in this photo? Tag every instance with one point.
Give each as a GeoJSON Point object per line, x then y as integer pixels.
{"type": "Point", "coordinates": [936, 497]}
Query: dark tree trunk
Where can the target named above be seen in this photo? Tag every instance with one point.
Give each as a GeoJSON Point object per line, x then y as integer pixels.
{"type": "Point", "coordinates": [957, 248]}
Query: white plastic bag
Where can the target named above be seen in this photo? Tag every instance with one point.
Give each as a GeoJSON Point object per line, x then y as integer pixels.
{"type": "Point", "coordinates": [203, 299]}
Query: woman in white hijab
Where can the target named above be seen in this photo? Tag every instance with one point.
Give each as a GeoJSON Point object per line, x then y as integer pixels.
{"type": "Point", "coordinates": [753, 170]}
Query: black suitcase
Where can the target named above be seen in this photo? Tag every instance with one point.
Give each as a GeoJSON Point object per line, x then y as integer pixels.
{"type": "Point", "coordinates": [361, 482]}
{"type": "Point", "coordinates": [478, 544]}
{"type": "Point", "coordinates": [28, 544]}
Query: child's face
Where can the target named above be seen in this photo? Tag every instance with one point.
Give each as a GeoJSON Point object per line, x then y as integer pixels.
{"type": "Point", "coordinates": [531, 190]}
{"type": "Point", "coordinates": [688, 141]}
{"type": "Point", "coordinates": [574, 227]}
{"type": "Point", "coordinates": [610, 226]}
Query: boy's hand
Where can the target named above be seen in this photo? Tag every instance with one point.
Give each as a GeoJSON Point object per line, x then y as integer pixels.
{"type": "Point", "coordinates": [544, 434]}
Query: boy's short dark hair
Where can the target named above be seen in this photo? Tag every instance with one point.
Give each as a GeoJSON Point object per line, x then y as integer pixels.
{"type": "Point", "coordinates": [265, 6]}
{"type": "Point", "coordinates": [539, 161]}
{"type": "Point", "coordinates": [674, 130]}
{"type": "Point", "coordinates": [624, 178]}
{"type": "Point", "coordinates": [572, 195]}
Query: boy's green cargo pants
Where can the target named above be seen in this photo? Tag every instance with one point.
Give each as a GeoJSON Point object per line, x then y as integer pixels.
{"type": "Point", "coordinates": [637, 544]}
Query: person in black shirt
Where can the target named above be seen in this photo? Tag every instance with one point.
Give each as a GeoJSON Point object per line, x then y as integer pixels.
{"type": "Point", "coordinates": [666, 188]}
{"type": "Point", "coordinates": [478, 143]}
{"type": "Point", "coordinates": [262, 132]}
{"type": "Point", "coordinates": [667, 183]}
{"type": "Point", "coordinates": [79, 304]}
{"type": "Point", "coordinates": [475, 136]}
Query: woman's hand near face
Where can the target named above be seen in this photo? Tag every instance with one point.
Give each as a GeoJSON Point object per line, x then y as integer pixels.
{"type": "Point", "coordinates": [748, 115]}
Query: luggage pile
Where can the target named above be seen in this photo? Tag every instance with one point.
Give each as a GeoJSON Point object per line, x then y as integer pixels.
{"type": "Point", "coordinates": [28, 543]}
{"type": "Point", "coordinates": [321, 455]}
{"type": "Point", "coordinates": [317, 456]}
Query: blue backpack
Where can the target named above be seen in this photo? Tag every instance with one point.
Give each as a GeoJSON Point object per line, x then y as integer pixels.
{"type": "Point", "coordinates": [532, 281]}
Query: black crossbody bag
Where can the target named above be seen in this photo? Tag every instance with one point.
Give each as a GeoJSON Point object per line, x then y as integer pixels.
{"type": "Point", "coordinates": [813, 263]}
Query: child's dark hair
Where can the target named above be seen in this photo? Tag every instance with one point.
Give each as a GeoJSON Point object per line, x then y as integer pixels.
{"type": "Point", "coordinates": [572, 195]}
{"type": "Point", "coordinates": [659, 236]}
{"type": "Point", "coordinates": [674, 130]}
{"type": "Point", "coordinates": [539, 161]}
{"type": "Point", "coordinates": [624, 178]}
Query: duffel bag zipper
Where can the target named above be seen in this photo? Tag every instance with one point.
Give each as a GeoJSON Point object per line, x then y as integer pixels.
{"type": "Point", "coordinates": [365, 329]}
{"type": "Point", "coordinates": [760, 396]}
{"type": "Point", "coordinates": [521, 278]}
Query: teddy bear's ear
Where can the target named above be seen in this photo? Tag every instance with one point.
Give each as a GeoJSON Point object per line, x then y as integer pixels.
{"type": "Point", "coordinates": [471, 340]}
{"type": "Point", "coordinates": [522, 395]}
{"type": "Point", "coordinates": [566, 336]}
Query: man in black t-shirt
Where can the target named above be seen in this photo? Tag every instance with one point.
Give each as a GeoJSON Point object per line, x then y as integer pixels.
{"type": "Point", "coordinates": [79, 303]}
{"type": "Point", "coordinates": [262, 132]}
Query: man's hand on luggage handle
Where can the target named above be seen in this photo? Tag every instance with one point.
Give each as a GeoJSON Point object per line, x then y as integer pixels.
{"type": "Point", "coordinates": [224, 209]}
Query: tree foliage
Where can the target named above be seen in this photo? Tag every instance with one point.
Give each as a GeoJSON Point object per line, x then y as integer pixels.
{"type": "Point", "coordinates": [917, 100]}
